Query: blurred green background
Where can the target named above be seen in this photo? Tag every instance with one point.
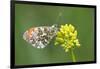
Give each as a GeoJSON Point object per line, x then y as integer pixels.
{"type": "Point", "coordinates": [27, 16]}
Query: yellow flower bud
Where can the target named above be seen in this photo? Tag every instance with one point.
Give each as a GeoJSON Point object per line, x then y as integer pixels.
{"type": "Point", "coordinates": [59, 34]}
{"type": "Point", "coordinates": [78, 44]}
{"type": "Point", "coordinates": [67, 37]}
{"type": "Point", "coordinates": [71, 27]}
{"type": "Point", "coordinates": [60, 40]}
{"type": "Point", "coordinates": [56, 43]}
{"type": "Point", "coordinates": [66, 50]}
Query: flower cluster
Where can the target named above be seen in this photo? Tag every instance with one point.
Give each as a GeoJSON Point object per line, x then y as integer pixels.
{"type": "Point", "coordinates": [67, 37]}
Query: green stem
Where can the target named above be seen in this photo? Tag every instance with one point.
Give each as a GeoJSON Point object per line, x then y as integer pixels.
{"type": "Point", "coordinates": [73, 55]}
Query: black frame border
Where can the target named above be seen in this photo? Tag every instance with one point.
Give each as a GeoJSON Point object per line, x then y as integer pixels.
{"type": "Point", "coordinates": [12, 33]}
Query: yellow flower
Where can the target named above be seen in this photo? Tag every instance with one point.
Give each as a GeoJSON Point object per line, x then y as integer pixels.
{"type": "Point", "coordinates": [67, 37]}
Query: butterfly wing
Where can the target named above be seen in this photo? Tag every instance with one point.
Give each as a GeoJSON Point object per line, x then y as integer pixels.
{"type": "Point", "coordinates": [40, 37]}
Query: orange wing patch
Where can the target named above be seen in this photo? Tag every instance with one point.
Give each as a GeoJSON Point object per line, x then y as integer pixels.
{"type": "Point", "coordinates": [30, 31]}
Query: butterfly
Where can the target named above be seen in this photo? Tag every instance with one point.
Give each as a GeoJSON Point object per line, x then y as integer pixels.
{"type": "Point", "coordinates": [40, 37]}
